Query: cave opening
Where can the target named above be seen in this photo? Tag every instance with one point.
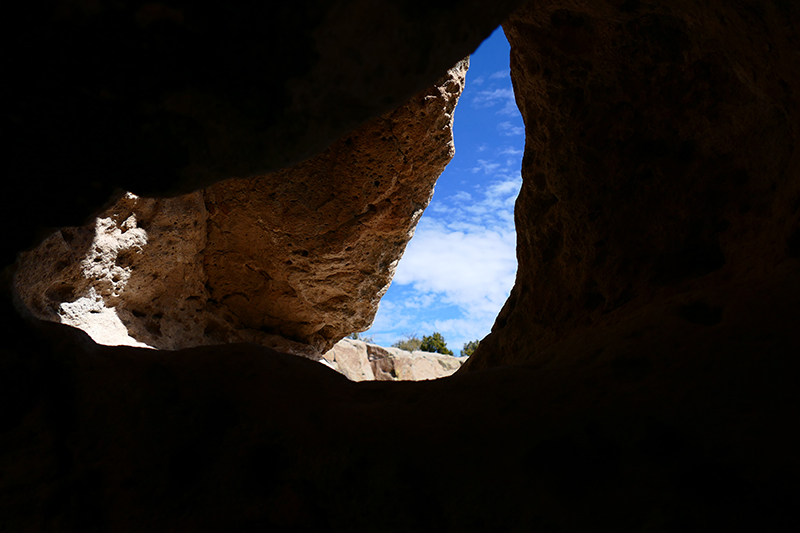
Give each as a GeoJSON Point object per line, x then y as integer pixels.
{"type": "Point", "coordinates": [458, 270]}
{"type": "Point", "coordinates": [634, 381]}
{"type": "Point", "coordinates": [200, 268]}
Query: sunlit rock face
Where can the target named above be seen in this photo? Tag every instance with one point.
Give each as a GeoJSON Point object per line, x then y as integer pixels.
{"type": "Point", "coordinates": [127, 277]}
{"type": "Point", "coordinates": [660, 162]}
{"type": "Point", "coordinates": [293, 260]}
{"type": "Point", "coordinates": [361, 361]}
{"type": "Point", "coordinates": [309, 251]}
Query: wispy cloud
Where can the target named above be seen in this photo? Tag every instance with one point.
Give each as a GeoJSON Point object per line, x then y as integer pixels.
{"type": "Point", "coordinates": [503, 97]}
{"type": "Point", "coordinates": [492, 97]}
{"type": "Point", "coordinates": [509, 108]}
{"type": "Point", "coordinates": [485, 166]}
{"type": "Point", "coordinates": [510, 150]}
{"type": "Point", "coordinates": [507, 128]}
{"type": "Point", "coordinates": [499, 169]}
{"type": "Point", "coordinates": [500, 74]}
{"type": "Point", "coordinates": [461, 196]}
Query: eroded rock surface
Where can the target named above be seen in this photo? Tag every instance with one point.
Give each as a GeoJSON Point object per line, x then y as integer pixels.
{"type": "Point", "coordinates": [293, 260]}
{"type": "Point", "coordinates": [308, 252]}
{"type": "Point", "coordinates": [657, 161]}
{"type": "Point", "coordinates": [361, 361]}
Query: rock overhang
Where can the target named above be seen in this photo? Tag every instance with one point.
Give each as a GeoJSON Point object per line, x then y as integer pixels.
{"type": "Point", "coordinates": [293, 260]}
{"type": "Point", "coordinates": [674, 414]}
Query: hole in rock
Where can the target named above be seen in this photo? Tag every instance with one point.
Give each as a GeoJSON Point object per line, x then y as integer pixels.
{"type": "Point", "coordinates": [458, 270]}
{"type": "Point", "coordinates": [294, 260]}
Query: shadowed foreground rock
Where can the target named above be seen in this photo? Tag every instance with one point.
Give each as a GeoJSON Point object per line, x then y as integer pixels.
{"type": "Point", "coordinates": [641, 377]}
{"type": "Point", "coordinates": [684, 437]}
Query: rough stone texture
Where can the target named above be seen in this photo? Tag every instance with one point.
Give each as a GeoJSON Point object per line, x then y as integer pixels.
{"type": "Point", "coordinates": [309, 251]}
{"type": "Point", "coordinates": [106, 278]}
{"type": "Point", "coordinates": [294, 260]}
{"type": "Point", "coordinates": [660, 159]}
{"type": "Point", "coordinates": [674, 412]}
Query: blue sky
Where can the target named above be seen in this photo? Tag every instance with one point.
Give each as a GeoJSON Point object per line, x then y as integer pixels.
{"type": "Point", "coordinates": [458, 269]}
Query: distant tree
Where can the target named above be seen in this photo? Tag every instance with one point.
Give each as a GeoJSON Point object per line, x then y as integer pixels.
{"type": "Point", "coordinates": [469, 348]}
{"type": "Point", "coordinates": [435, 344]}
{"type": "Point", "coordinates": [409, 343]}
{"type": "Point", "coordinates": [359, 337]}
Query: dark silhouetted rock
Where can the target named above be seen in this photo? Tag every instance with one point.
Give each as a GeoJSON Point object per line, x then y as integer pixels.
{"type": "Point", "coordinates": [657, 163]}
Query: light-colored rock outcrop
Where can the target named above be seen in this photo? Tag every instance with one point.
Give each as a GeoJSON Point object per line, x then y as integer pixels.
{"type": "Point", "coordinates": [394, 364]}
{"type": "Point", "coordinates": [350, 357]}
{"type": "Point", "coordinates": [361, 361]}
{"type": "Point", "coordinates": [293, 260]}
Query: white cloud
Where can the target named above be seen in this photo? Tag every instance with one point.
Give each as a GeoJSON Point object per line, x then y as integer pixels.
{"type": "Point", "coordinates": [506, 190]}
{"type": "Point", "coordinates": [509, 108]}
{"type": "Point", "coordinates": [493, 97]}
{"type": "Point", "coordinates": [471, 269]}
{"type": "Point", "coordinates": [500, 169]}
{"type": "Point", "coordinates": [504, 97]}
{"type": "Point", "coordinates": [465, 263]}
{"type": "Point", "coordinates": [510, 150]}
{"type": "Point", "coordinates": [461, 196]}
{"type": "Point", "coordinates": [487, 167]}
{"type": "Point", "coordinates": [478, 81]}
{"type": "Point", "coordinates": [507, 128]}
{"type": "Point", "coordinates": [500, 74]}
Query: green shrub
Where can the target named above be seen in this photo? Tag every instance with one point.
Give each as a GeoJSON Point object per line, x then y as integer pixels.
{"type": "Point", "coordinates": [435, 344]}
{"type": "Point", "coordinates": [469, 348]}
{"type": "Point", "coordinates": [410, 343]}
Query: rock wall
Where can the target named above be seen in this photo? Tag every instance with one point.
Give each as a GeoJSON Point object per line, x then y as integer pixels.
{"type": "Point", "coordinates": [293, 260]}
{"type": "Point", "coordinates": [657, 163]}
{"type": "Point", "coordinates": [308, 252]}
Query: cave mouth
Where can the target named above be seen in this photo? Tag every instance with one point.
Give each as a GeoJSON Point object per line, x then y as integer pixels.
{"type": "Point", "coordinates": [459, 268]}
{"type": "Point", "coordinates": [276, 260]}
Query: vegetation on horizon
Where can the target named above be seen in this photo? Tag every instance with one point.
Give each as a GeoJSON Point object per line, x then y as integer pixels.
{"type": "Point", "coordinates": [410, 343]}
{"type": "Point", "coordinates": [435, 344]}
{"type": "Point", "coordinates": [469, 348]}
